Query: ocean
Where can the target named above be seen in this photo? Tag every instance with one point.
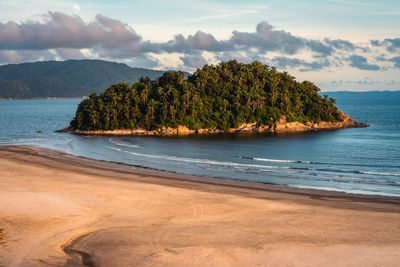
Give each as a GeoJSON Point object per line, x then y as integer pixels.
{"type": "Point", "coordinates": [357, 160]}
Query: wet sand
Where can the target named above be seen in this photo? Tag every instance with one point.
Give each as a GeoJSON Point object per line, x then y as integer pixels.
{"type": "Point", "coordinates": [61, 210]}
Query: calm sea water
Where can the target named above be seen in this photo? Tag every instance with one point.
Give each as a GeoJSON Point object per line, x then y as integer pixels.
{"type": "Point", "coordinates": [358, 160]}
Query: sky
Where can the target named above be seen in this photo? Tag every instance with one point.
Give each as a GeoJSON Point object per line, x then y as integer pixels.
{"type": "Point", "coordinates": [340, 45]}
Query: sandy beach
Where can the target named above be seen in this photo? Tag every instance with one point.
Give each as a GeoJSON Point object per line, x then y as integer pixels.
{"type": "Point", "coordinates": [61, 210]}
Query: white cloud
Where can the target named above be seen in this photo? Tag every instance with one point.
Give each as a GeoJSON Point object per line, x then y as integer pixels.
{"type": "Point", "coordinates": [76, 6]}
{"type": "Point", "coordinates": [63, 36]}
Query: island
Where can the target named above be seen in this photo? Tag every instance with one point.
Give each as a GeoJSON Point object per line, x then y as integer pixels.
{"type": "Point", "coordinates": [230, 97]}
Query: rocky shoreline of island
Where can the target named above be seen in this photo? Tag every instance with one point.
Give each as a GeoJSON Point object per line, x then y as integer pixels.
{"type": "Point", "coordinates": [280, 127]}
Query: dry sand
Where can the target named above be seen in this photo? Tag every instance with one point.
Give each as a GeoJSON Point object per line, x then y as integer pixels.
{"type": "Point", "coordinates": [61, 210]}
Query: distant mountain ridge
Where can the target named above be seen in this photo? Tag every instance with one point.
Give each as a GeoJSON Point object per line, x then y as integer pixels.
{"type": "Point", "coordinates": [71, 78]}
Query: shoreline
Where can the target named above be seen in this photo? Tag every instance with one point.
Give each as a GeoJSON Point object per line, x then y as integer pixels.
{"type": "Point", "coordinates": [62, 210]}
{"type": "Point", "coordinates": [46, 98]}
{"type": "Point", "coordinates": [280, 127]}
{"type": "Point", "coordinates": [164, 177]}
{"type": "Point", "coordinates": [187, 180]}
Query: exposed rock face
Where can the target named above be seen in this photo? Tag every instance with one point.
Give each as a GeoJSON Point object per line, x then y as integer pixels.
{"type": "Point", "coordinates": [282, 126]}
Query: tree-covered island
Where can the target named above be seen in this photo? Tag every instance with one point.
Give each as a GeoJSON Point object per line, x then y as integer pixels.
{"type": "Point", "coordinates": [228, 97]}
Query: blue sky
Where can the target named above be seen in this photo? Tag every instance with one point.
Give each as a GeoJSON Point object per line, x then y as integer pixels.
{"type": "Point", "coordinates": [339, 44]}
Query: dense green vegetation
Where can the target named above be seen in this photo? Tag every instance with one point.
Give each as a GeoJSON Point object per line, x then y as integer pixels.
{"type": "Point", "coordinates": [222, 96]}
{"type": "Point", "coordinates": [65, 78]}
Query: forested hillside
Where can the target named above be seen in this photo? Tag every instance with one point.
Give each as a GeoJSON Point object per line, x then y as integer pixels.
{"type": "Point", "coordinates": [222, 97]}
{"type": "Point", "coordinates": [66, 78]}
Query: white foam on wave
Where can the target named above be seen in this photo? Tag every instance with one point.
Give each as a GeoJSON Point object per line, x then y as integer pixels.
{"type": "Point", "coordinates": [275, 160]}
{"type": "Point", "coordinates": [114, 148]}
{"type": "Point", "coordinates": [260, 168]}
{"type": "Point", "coordinates": [122, 144]}
{"type": "Point", "coordinates": [204, 161]}
{"type": "Point", "coordinates": [276, 171]}
{"type": "Point", "coordinates": [381, 173]}
{"type": "Point", "coordinates": [284, 160]}
{"type": "Point", "coordinates": [347, 190]}
{"type": "Point", "coordinates": [233, 164]}
{"type": "Point", "coordinates": [321, 163]}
